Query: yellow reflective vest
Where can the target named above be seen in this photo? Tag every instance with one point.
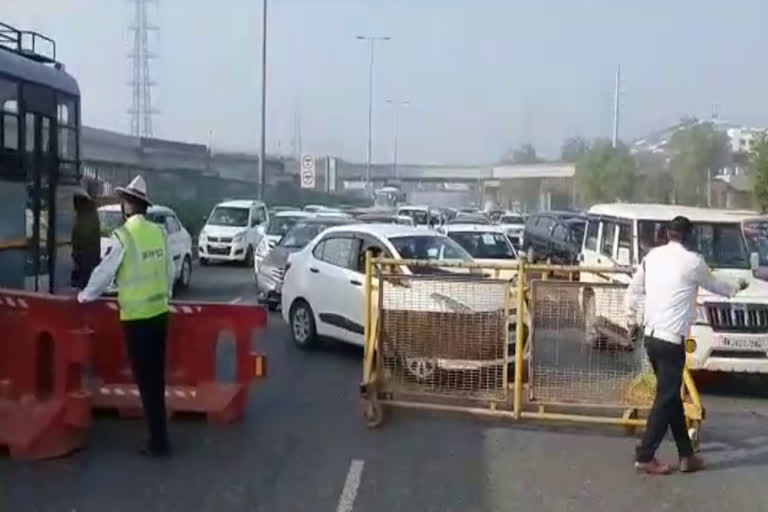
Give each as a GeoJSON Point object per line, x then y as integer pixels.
{"type": "Point", "coordinates": [142, 278]}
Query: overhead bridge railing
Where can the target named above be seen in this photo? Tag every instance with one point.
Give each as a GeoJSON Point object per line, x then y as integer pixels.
{"type": "Point", "coordinates": [517, 340]}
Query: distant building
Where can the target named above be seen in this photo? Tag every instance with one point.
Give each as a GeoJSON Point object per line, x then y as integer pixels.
{"type": "Point", "coordinates": [741, 138]}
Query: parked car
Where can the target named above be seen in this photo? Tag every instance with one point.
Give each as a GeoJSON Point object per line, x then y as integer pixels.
{"type": "Point", "coordinates": [233, 231]}
{"type": "Point", "coordinates": [312, 208]}
{"type": "Point", "coordinates": [730, 335]}
{"type": "Point", "coordinates": [269, 274]}
{"type": "Point", "coordinates": [421, 215]}
{"type": "Point", "coordinates": [486, 244]}
{"type": "Point", "coordinates": [513, 225]}
{"type": "Point", "coordinates": [322, 294]}
{"type": "Point", "coordinates": [179, 240]}
{"type": "Point", "coordinates": [554, 236]}
{"type": "Point", "coordinates": [282, 222]}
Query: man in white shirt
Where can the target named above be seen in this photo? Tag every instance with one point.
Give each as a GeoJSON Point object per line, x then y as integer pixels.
{"type": "Point", "coordinates": [670, 277]}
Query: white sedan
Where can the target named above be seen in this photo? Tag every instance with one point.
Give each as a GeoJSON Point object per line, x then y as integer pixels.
{"type": "Point", "coordinates": [179, 240]}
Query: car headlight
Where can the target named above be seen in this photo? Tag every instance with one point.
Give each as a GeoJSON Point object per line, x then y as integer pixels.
{"type": "Point", "coordinates": [238, 238]}
{"type": "Point", "coordinates": [203, 238]}
{"type": "Point", "coordinates": [701, 315]}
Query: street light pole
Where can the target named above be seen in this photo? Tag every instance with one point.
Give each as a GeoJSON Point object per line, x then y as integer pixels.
{"type": "Point", "coordinates": [371, 40]}
{"type": "Point", "coordinates": [263, 149]}
{"type": "Point", "coordinates": [395, 108]}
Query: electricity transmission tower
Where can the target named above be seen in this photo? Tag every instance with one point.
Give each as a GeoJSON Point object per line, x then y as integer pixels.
{"type": "Point", "coordinates": [141, 110]}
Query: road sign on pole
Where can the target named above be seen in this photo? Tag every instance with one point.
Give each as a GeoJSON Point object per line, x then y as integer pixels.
{"type": "Point", "coordinates": [307, 171]}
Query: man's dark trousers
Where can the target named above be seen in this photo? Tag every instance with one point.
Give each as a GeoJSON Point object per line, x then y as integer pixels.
{"type": "Point", "coordinates": [145, 342]}
{"type": "Point", "coordinates": [667, 360]}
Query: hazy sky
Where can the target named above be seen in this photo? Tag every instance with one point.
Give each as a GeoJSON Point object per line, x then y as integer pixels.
{"type": "Point", "coordinates": [481, 75]}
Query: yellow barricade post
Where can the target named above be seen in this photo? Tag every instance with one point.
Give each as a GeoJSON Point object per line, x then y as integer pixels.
{"type": "Point", "coordinates": [439, 335]}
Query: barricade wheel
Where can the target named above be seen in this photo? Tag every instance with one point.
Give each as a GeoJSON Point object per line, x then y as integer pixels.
{"type": "Point", "coordinates": [374, 413]}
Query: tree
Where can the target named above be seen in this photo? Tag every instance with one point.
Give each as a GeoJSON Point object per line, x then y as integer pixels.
{"type": "Point", "coordinates": [605, 173]}
{"type": "Point", "coordinates": [574, 148]}
{"type": "Point", "coordinates": [523, 154]}
{"type": "Point", "coordinates": [699, 151]}
{"type": "Point", "coordinates": [758, 168]}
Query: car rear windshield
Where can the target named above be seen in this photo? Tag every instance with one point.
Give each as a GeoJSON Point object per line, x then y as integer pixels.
{"type": "Point", "coordinates": [303, 233]}
{"type": "Point", "coordinates": [512, 219]}
{"type": "Point", "coordinates": [109, 221]}
{"type": "Point", "coordinates": [484, 245]}
{"type": "Point", "coordinates": [434, 248]}
{"type": "Point", "coordinates": [229, 216]}
{"type": "Point", "coordinates": [280, 225]}
{"type": "Point", "coordinates": [720, 244]}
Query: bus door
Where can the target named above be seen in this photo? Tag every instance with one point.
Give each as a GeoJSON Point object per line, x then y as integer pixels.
{"type": "Point", "coordinates": [39, 145]}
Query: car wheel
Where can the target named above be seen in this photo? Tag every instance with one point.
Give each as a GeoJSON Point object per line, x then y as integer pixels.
{"type": "Point", "coordinates": [185, 278]}
{"type": "Point", "coordinates": [302, 324]}
{"type": "Point", "coordinates": [204, 262]}
{"type": "Point", "coordinates": [249, 257]}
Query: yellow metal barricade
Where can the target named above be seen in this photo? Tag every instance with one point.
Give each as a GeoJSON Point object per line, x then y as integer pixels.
{"type": "Point", "coordinates": [448, 336]}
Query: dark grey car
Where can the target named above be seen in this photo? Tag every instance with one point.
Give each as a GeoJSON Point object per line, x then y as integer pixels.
{"type": "Point", "coordinates": [269, 278]}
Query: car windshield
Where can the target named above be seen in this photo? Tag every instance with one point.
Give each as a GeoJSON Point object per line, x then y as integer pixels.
{"type": "Point", "coordinates": [484, 245]}
{"type": "Point", "coordinates": [577, 230]}
{"type": "Point", "coordinates": [109, 221]}
{"type": "Point", "coordinates": [280, 225]}
{"type": "Point", "coordinates": [720, 244]}
{"type": "Point", "coordinates": [229, 216]}
{"type": "Point", "coordinates": [512, 219]}
{"type": "Point", "coordinates": [420, 217]}
{"type": "Point", "coordinates": [303, 233]}
{"type": "Point", "coordinates": [756, 235]}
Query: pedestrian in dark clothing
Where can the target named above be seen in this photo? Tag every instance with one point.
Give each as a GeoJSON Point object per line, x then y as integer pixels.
{"type": "Point", "coordinates": [86, 239]}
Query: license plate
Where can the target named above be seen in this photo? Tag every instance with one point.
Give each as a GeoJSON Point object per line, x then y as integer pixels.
{"type": "Point", "coordinates": [743, 342]}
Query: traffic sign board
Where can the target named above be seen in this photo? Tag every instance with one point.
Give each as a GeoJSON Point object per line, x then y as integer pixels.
{"type": "Point", "coordinates": [307, 171]}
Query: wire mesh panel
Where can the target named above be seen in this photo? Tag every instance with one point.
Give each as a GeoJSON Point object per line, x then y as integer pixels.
{"type": "Point", "coordinates": [443, 335]}
{"type": "Point", "coordinates": [581, 352]}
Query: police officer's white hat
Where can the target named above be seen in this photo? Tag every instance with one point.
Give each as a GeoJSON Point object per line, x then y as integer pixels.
{"type": "Point", "coordinates": [136, 189]}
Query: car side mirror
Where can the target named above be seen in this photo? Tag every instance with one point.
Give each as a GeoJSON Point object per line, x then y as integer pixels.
{"type": "Point", "coordinates": [622, 258]}
{"type": "Point", "coordinates": [754, 261]}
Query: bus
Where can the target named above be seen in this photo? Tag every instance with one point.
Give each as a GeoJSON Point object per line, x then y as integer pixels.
{"type": "Point", "coordinates": [39, 162]}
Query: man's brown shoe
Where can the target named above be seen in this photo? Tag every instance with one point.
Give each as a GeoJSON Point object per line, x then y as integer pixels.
{"type": "Point", "coordinates": [654, 467]}
{"type": "Point", "coordinates": [691, 464]}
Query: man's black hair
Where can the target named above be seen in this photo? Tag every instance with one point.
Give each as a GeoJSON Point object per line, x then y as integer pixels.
{"type": "Point", "coordinates": [679, 228]}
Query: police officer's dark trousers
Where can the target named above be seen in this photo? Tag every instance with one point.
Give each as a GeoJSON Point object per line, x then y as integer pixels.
{"type": "Point", "coordinates": [667, 360]}
{"type": "Point", "coordinates": [145, 342]}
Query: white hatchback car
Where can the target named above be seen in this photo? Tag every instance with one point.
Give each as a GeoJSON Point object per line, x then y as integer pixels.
{"type": "Point", "coordinates": [179, 240]}
{"type": "Point", "coordinates": [323, 292]}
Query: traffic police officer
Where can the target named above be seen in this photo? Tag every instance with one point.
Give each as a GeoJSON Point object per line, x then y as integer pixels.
{"type": "Point", "coordinates": [139, 261]}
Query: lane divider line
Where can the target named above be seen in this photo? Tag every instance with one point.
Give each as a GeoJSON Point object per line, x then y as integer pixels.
{"type": "Point", "coordinates": [351, 484]}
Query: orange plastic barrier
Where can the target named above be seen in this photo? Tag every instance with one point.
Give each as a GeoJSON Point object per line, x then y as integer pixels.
{"type": "Point", "coordinates": [44, 410]}
{"type": "Point", "coordinates": [191, 359]}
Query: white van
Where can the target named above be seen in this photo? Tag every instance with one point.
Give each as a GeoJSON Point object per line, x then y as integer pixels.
{"type": "Point", "coordinates": [233, 231]}
{"type": "Point", "coordinates": [730, 335]}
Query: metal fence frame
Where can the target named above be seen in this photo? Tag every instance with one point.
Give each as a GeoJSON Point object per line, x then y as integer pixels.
{"type": "Point", "coordinates": [377, 396]}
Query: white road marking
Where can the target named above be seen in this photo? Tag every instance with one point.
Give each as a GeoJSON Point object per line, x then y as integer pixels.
{"type": "Point", "coordinates": [236, 300]}
{"type": "Point", "coordinates": [349, 493]}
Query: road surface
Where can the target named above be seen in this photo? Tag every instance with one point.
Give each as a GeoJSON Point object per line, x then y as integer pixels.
{"type": "Point", "coordinates": [304, 447]}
